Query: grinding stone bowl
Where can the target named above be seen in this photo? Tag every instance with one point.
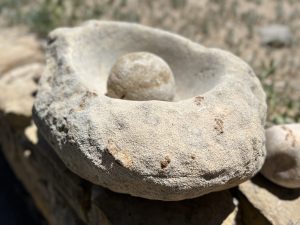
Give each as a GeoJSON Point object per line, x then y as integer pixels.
{"type": "Point", "coordinates": [209, 138]}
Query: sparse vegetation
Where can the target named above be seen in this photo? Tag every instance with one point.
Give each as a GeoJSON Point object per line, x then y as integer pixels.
{"type": "Point", "coordinates": [282, 108]}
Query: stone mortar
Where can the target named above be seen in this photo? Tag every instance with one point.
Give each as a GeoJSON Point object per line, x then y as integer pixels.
{"type": "Point", "coordinates": [209, 138]}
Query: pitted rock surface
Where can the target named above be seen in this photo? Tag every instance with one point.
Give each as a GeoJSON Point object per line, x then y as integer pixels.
{"type": "Point", "coordinates": [282, 164]}
{"type": "Point", "coordinates": [210, 138]}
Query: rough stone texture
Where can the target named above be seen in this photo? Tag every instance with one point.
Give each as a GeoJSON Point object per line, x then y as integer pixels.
{"type": "Point", "coordinates": [279, 206]}
{"type": "Point", "coordinates": [276, 35]}
{"type": "Point", "coordinates": [19, 83]}
{"type": "Point", "coordinates": [18, 48]}
{"type": "Point", "coordinates": [66, 199]}
{"type": "Point", "coordinates": [282, 165]}
{"type": "Point", "coordinates": [141, 76]}
{"type": "Point", "coordinates": [210, 139]}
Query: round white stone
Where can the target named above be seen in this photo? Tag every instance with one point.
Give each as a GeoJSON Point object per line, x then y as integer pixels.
{"type": "Point", "coordinates": [141, 76]}
{"type": "Point", "coordinates": [282, 165]}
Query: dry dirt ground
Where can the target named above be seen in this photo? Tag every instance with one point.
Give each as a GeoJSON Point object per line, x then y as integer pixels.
{"type": "Point", "coordinates": [228, 24]}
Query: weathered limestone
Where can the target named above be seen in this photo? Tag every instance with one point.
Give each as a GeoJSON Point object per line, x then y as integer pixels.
{"type": "Point", "coordinates": [211, 138]}
{"type": "Point", "coordinates": [282, 165]}
{"type": "Point", "coordinates": [66, 199]}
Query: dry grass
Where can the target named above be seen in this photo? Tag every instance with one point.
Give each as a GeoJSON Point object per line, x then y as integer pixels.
{"type": "Point", "coordinates": [226, 24]}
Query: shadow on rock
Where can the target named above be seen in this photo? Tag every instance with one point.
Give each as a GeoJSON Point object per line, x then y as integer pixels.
{"type": "Point", "coordinates": [280, 192]}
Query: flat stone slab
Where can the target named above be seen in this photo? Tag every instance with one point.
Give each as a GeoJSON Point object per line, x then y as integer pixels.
{"type": "Point", "coordinates": [210, 138]}
{"type": "Point", "coordinates": [280, 206]}
{"type": "Point", "coordinates": [19, 83]}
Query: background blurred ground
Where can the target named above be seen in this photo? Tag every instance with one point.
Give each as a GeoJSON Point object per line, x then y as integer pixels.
{"type": "Point", "coordinates": [228, 24]}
